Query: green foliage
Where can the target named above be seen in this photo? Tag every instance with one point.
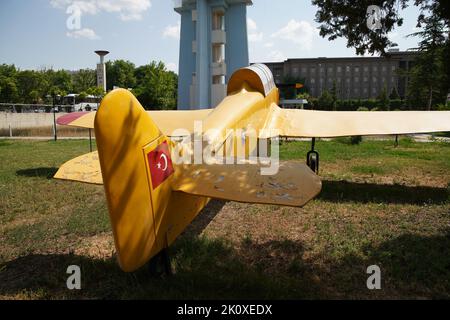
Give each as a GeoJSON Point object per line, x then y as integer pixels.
{"type": "Point", "coordinates": [120, 74]}
{"type": "Point", "coordinates": [153, 84]}
{"type": "Point", "coordinates": [326, 101]}
{"type": "Point", "coordinates": [156, 87]}
{"type": "Point", "coordinates": [444, 107]}
{"type": "Point", "coordinates": [430, 77]}
{"type": "Point", "coordinates": [383, 99]}
{"type": "Point", "coordinates": [394, 94]}
{"type": "Point", "coordinates": [84, 79]}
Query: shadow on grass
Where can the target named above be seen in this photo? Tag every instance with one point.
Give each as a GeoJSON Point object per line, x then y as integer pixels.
{"type": "Point", "coordinates": [38, 172]}
{"type": "Point", "coordinates": [4, 142]}
{"type": "Point", "coordinates": [344, 191]}
{"type": "Point", "coordinates": [412, 266]}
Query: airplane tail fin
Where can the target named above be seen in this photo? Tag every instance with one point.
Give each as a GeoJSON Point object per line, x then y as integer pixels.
{"type": "Point", "coordinates": [137, 171]}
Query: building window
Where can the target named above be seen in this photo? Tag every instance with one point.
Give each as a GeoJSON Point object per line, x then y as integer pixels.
{"type": "Point", "coordinates": [339, 69]}
{"type": "Point", "coordinates": [218, 53]}
{"type": "Point", "coordinates": [295, 71]}
{"type": "Point", "coordinates": [330, 69]}
{"type": "Point", "coordinates": [366, 69]}
{"type": "Point", "coordinates": [384, 69]}
{"type": "Point", "coordinates": [218, 80]}
{"type": "Point", "coordinates": [218, 21]}
{"type": "Point", "coordinates": [365, 90]}
{"type": "Point", "coordinates": [312, 70]}
{"type": "Point", "coordinates": [374, 79]}
{"type": "Point", "coordinates": [374, 68]}
{"type": "Point", "coordinates": [365, 79]}
{"type": "Point", "coordinates": [304, 70]}
{"type": "Point", "coordinates": [356, 79]}
{"type": "Point", "coordinates": [313, 81]}
{"type": "Point", "coordinates": [347, 69]}
{"type": "Point", "coordinates": [356, 69]}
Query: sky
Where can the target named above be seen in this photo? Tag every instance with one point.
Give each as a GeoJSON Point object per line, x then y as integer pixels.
{"type": "Point", "coordinates": [36, 34]}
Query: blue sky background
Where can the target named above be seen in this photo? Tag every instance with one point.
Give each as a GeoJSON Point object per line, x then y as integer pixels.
{"type": "Point", "coordinates": [33, 33]}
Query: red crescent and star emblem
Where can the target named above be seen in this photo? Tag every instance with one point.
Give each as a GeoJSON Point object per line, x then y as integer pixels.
{"type": "Point", "coordinates": [160, 164]}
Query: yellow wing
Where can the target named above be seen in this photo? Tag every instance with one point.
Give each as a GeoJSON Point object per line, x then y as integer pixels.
{"type": "Point", "coordinates": [167, 121]}
{"type": "Point", "coordinates": [327, 124]}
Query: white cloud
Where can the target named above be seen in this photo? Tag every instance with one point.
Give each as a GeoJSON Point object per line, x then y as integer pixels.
{"type": "Point", "coordinates": [172, 31]}
{"type": "Point", "coordinates": [253, 34]}
{"type": "Point", "coordinates": [269, 45]}
{"type": "Point", "coordinates": [251, 24]}
{"type": "Point", "coordinates": [127, 9]}
{"type": "Point", "coordinates": [276, 56]}
{"type": "Point", "coordinates": [392, 35]}
{"type": "Point", "coordinates": [299, 32]}
{"type": "Point", "coordinates": [172, 67]}
{"type": "Point", "coordinates": [83, 33]}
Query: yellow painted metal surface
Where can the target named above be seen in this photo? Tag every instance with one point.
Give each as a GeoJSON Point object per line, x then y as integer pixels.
{"type": "Point", "coordinates": [122, 130]}
{"type": "Point", "coordinates": [147, 214]}
{"type": "Point", "coordinates": [85, 121]}
{"type": "Point", "coordinates": [145, 217]}
{"type": "Point", "coordinates": [168, 121]}
{"type": "Point", "coordinates": [294, 185]}
{"type": "Point", "coordinates": [85, 168]}
{"type": "Point", "coordinates": [307, 123]}
{"type": "Point", "coordinates": [245, 109]}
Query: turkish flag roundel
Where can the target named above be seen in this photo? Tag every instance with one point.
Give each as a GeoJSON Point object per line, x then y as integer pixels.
{"type": "Point", "coordinates": [160, 164]}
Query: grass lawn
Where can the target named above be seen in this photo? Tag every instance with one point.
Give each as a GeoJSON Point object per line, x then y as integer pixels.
{"type": "Point", "coordinates": [379, 205]}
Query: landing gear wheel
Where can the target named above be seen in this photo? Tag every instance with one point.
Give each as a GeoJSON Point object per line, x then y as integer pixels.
{"type": "Point", "coordinates": [313, 161]}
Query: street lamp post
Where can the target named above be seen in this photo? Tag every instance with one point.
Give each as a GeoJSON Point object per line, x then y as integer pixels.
{"type": "Point", "coordinates": [54, 117]}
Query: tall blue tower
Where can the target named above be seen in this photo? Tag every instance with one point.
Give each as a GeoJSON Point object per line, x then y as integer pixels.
{"type": "Point", "coordinates": [213, 44]}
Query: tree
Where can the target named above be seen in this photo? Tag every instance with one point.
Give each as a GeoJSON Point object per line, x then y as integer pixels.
{"type": "Point", "coordinates": [156, 87]}
{"type": "Point", "coordinates": [84, 79]}
{"type": "Point", "coordinates": [31, 86]}
{"type": "Point", "coordinates": [95, 91]}
{"type": "Point", "coordinates": [394, 94]}
{"type": "Point", "coordinates": [8, 89]}
{"type": "Point", "coordinates": [120, 73]}
{"type": "Point", "coordinates": [325, 101]}
{"type": "Point", "coordinates": [348, 19]}
{"type": "Point", "coordinates": [427, 73]}
{"type": "Point", "coordinates": [334, 95]}
{"type": "Point", "coordinates": [383, 99]}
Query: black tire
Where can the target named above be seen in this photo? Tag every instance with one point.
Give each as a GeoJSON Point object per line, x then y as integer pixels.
{"type": "Point", "coordinates": [313, 163]}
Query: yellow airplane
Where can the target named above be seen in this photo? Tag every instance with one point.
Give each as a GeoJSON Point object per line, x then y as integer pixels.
{"type": "Point", "coordinates": [152, 196]}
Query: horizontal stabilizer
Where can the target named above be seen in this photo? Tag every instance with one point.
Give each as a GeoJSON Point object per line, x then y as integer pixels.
{"type": "Point", "coordinates": [294, 185]}
{"type": "Point", "coordinates": [85, 168]}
